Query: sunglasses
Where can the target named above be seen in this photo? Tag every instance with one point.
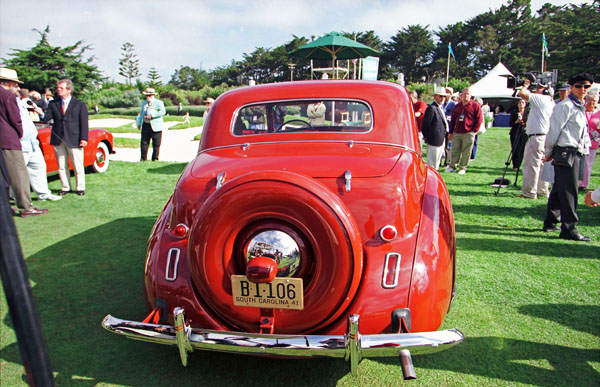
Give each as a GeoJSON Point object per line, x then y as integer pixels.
{"type": "Point", "coordinates": [579, 86]}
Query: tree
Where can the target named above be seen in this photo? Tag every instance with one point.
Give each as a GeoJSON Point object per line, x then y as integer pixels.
{"type": "Point", "coordinates": [154, 77]}
{"type": "Point", "coordinates": [410, 51]}
{"type": "Point", "coordinates": [43, 65]}
{"type": "Point", "coordinates": [573, 40]}
{"type": "Point", "coordinates": [188, 78]}
{"type": "Point", "coordinates": [228, 74]}
{"type": "Point", "coordinates": [128, 64]}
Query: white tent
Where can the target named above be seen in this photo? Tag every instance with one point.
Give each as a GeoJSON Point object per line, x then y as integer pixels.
{"type": "Point", "coordinates": [493, 84]}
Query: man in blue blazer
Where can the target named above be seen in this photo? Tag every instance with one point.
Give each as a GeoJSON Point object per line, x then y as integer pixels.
{"type": "Point", "coordinates": [150, 122]}
{"type": "Point", "coordinates": [434, 128]}
{"type": "Point", "coordinates": [69, 135]}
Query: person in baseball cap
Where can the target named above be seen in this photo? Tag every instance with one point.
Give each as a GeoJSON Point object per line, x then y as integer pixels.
{"type": "Point", "coordinates": [563, 92]}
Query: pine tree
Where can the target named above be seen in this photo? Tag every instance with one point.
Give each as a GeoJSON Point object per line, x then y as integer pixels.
{"type": "Point", "coordinates": [154, 77]}
{"type": "Point", "coordinates": [43, 65]}
{"type": "Point", "coordinates": [129, 64]}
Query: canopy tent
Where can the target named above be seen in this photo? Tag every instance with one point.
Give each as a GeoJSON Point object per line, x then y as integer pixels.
{"type": "Point", "coordinates": [493, 84]}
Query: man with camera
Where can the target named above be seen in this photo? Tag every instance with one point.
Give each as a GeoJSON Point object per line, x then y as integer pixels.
{"type": "Point", "coordinates": [566, 142]}
{"type": "Point", "coordinates": [538, 121]}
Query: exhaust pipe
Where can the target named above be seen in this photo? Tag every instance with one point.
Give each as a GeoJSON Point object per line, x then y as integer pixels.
{"type": "Point", "coordinates": [408, 370]}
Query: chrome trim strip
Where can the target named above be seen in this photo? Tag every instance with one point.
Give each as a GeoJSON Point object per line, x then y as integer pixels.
{"type": "Point", "coordinates": [310, 142]}
{"type": "Point", "coordinates": [175, 266]}
{"type": "Point", "coordinates": [386, 271]}
{"type": "Point", "coordinates": [351, 346]}
{"type": "Point", "coordinates": [294, 100]}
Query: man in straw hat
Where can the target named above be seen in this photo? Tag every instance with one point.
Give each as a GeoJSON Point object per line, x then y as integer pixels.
{"type": "Point", "coordinates": [69, 135]}
{"type": "Point", "coordinates": [434, 128]}
{"type": "Point", "coordinates": [150, 122]}
{"type": "Point", "coordinates": [11, 130]}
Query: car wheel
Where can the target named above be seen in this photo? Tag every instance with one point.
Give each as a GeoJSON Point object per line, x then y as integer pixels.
{"type": "Point", "coordinates": [101, 159]}
{"type": "Point", "coordinates": [307, 212]}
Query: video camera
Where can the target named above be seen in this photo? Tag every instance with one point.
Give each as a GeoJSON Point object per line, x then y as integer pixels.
{"type": "Point", "coordinates": [547, 78]}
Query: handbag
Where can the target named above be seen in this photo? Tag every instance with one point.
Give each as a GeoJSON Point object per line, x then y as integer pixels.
{"type": "Point", "coordinates": [564, 156]}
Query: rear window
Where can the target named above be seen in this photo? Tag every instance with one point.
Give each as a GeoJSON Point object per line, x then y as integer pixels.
{"type": "Point", "coordinates": [303, 116]}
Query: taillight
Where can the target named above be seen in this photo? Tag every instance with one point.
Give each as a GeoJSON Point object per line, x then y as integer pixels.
{"type": "Point", "coordinates": [181, 230]}
{"type": "Point", "coordinates": [388, 233]}
{"type": "Point", "coordinates": [391, 270]}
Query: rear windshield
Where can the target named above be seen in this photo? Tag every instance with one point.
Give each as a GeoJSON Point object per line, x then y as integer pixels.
{"type": "Point", "coordinates": [303, 116]}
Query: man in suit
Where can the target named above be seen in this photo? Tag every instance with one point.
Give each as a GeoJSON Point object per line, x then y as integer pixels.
{"type": "Point", "coordinates": [13, 168]}
{"type": "Point", "coordinates": [434, 128]}
{"type": "Point", "coordinates": [69, 135]}
{"type": "Point", "coordinates": [150, 122]}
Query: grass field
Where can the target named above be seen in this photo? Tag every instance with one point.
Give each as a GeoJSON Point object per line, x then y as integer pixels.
{"type": "Point", "coordinates": [527, 302]}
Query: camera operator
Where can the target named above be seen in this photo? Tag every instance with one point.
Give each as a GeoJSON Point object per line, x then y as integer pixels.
{"type": "Point", "coordinates": [538, 124]}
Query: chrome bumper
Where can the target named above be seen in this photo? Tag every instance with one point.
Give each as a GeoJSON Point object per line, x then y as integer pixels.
{"type": "Point", "coordinates": [351, 346]}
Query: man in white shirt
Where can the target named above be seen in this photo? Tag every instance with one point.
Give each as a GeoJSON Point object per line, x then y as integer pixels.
{"type": "Point", "coordinates": [537, 127]}
{"type": "Point", "coordinates": [33, 156]}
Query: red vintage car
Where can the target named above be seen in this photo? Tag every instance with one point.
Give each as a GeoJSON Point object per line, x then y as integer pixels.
{"type": "Point", "coordinates": [308, 225]}
{"type": "Point", "coordinates": [96, 153]}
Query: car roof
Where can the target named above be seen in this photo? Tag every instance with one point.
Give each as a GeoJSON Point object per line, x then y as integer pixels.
{"type": "Point", "coordinates": [393, 118]}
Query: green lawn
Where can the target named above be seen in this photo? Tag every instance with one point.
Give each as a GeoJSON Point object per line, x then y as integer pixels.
{"type": "Point", "coordinates": [527, 302]}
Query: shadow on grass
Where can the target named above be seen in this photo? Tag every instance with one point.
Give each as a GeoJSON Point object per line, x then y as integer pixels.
{"type": "Point", "coordinates": [169, 169]}
{"type": "Point", "coordinates": [504, 210]}
{"type": "Point", "coordinates": [516, 361]}
{"type": "Point", "coordinates": [77, 281]}
{"type": "Point", "coordinates": [549, 246]}
{"type": "Point", "coordinates": [584, 318]}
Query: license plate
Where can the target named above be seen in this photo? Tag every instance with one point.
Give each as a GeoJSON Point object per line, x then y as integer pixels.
{"type": "Point", "coordinates": [282, 293]}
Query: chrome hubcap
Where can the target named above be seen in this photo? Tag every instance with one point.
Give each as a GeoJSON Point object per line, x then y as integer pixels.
{"type": "Point", "coordinates": [280, 247]}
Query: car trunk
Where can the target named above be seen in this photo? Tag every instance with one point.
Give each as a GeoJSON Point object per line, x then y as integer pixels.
{"type": "Point", "coordinates": [312, 159]}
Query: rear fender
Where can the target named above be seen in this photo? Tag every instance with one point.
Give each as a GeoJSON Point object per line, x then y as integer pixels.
{"type": "Point", "coordinates": [432, 281]}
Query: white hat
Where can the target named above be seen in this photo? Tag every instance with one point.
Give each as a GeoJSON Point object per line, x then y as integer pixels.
{"type": "Point", "coordinates": [149, 91]}
{"type": "Point", "coordinates": [441, 91]}
{"type": "Point", "coordinates": [10, 74]}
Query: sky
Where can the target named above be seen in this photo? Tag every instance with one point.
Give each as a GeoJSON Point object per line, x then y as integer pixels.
{"type": "Point", "coordinates": [207, 34]}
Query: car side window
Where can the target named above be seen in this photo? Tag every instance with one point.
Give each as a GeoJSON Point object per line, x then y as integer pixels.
{"type": "Point", "coordinates": [319, 115]}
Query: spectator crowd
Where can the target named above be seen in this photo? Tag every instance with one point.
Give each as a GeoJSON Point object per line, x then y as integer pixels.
{"type": "Point", "coordinates": [554, 142]}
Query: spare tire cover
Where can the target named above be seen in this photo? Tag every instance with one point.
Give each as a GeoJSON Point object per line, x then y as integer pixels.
{"type": "Point", "coordinates": [296, 202]}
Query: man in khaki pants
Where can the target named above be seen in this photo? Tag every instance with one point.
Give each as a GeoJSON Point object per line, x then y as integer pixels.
{"type": "Point", "coordinates": [538, 124]}
{"type": "Point", "coordinates": [466, 121]}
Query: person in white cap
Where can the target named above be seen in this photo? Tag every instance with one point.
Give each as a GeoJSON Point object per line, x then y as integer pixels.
{"type": "Point", "coordinates": [150, 122]}
{"type": "Point", "coordinates": [32, 153]}
{"type": "Point", "coordinates": [434, 127]}
{"type": "Point", "coordinates": [11, 130]}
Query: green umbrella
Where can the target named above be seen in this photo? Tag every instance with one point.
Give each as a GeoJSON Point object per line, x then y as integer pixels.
{"type": "Point", "coordinates": [333, 46]}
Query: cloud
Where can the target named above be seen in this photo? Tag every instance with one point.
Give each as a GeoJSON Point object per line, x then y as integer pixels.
{"type": "Point", "coordinates": [208, 34]}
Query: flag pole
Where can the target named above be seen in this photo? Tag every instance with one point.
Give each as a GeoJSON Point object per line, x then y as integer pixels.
{"type": "Point", "coordinates": [448, 68]}
{"type": "Point", "coordinates": [543, 54]}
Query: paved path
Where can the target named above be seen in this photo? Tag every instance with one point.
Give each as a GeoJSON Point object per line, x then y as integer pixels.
{"type": "Point", "coordinates": [176, 145]}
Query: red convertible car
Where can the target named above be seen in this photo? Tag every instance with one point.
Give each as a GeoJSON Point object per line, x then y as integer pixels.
{"type": "Point", "coordinates": [96, 153]}
{"type": "Point", "coordinates": [308, 225]}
